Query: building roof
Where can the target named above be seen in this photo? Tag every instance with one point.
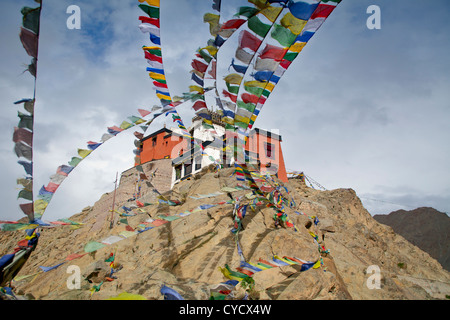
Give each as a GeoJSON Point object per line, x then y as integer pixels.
{"type": "Point", "coordinates": [268, 134]}
{"type": "Point", "coordinates": [162, 130]}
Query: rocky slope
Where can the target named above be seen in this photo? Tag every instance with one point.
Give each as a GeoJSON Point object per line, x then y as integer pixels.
{"type": "Point", "coordinates": [424, 227]}
{"type": "Point", "coordinates": [186, 254]}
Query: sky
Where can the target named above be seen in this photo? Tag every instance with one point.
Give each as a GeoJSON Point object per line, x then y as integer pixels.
{"type": "Point", "coordinates": [366, 109]}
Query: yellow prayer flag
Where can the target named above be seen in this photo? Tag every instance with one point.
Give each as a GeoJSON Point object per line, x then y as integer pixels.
{"type": "Point", "coordinates": [139, 121]}
{"type": "Point", "coordinates": [228, 120]}
{"type": "Point", "coordinates": [18, 278]}
{"type": "Point", "coordinates": [285, 260]}
{"type": "Point", "coordinates": [151, 48]}
{"type": "Point", "coordinates": [163, 97]}
{"type": "Point", "coordinates": [157, 76]}
{"type": "Point", "coordinates": [317, 264]}
{"type": "Point", "coordinates": [39, 206]}
{"type": "Point", "coordinates": [125, 125]}
{"type": "Point", "coordinates": [213, 20]}
{"type": "Point", "coordinates": [29, 226]}
{"type": "Point", "coordinates": [127, 296]}
{"type": "Point", "coordinates": [292, 23]}
{"type": "Point", "coordinates": [254, 83]}
{"type": "Point", "coordinates": [297, 47]}
{"type": "Point", "coordinates": [228, 275]}
{"type": "Point", "coordinates": [259, 266]}
{"type": "Point", "coordinates": [211, 49]}
{"type": "Point", "coordinates": [269, 86]}
{"type": "Point", "coordinates": [239, 118]}
{"type": "Point", "coordinates": [271, 13]}
{"type": "Point", "coordinates": [261, 4]}
{"type": "Point", "coordinates": [154, 3]}
{"type": "Point", "coordinates": [196, 88]}
{"type": "Point", "coordinates": [83, 153]}
{"type": "Point", "coordinates": [233, 78]}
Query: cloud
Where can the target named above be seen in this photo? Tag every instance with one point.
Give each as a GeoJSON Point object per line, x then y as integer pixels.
{"type": "Point", "coordinates": [361, 109]}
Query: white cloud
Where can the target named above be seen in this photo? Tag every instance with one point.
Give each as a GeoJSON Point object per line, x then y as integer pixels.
{"type": "Point", "coordinates": [359, 109]}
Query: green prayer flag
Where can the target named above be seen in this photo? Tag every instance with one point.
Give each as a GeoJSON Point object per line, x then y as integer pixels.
{"type": "Point", "coordinates": [254, 90]}
{"type": "Point", "coordinates": [156, 52]}
{"type": "Point", "coordinates": [247, 106]}
{"type": "Point", "coordinates": [110, 259]}
{"type": "Point", "coordinates": [232, 89]}
{"type": "Point", "coordinates": [205, 56]}
{"type": "Point", "coordinates": [152, 12]}
{"type": "Point", "coordinates": [261, 29]}
{"type": "Point", "coordinates": [25, 194]}
{"type": "Point", "coordinates": [92, 246]}
{"type": "Point", "coordinates": [169, 218]}
{"type": "Point", "coordinates": [31, 18]}
{"type": "Point", "coordinates": [26, 121]}
{"type": "Point", "coordinates": [266, 93]}
{"type": "Point", "coordinates": [283, 35]}
{"type": "Point", "coordinates": [290, 56]}
{"type": "Point", "coordinates": [247, 11]}
{"type": "Point", "coordinates": [11, 226]}
{"type": "Point", "coordinates": [125, 125]}
{"type": "Point", "coordinates": [134, 119]}
{"type": "Point", "coordinates": [75, 161]}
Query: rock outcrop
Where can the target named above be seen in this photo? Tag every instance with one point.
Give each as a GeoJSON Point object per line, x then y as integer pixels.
{"type": "Point", "coordinates": [186, 253]}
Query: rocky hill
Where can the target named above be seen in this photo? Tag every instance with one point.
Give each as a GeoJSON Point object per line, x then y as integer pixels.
{"type": "Point", "coordinates": [184, 242]}
{"type": "Point", "coordinates": [425, 227]}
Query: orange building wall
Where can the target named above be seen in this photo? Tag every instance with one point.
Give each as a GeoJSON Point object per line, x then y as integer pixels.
{"type": "Point", "coordinates": [256, 144]}
{"type": "Point", "coordinates": [165, 148]}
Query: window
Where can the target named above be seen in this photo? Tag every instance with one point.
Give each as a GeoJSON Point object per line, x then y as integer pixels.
{"type": "Point", "coordinates": [154, 141]}
{"type": "Point", "coordinates": [270, 150]}
{"type": "Point", "coordinates": [187, 169]}
{"type": "Point", "coordinates": [178, 172]}
{"type": "Point", "coordinates": [198, 163]}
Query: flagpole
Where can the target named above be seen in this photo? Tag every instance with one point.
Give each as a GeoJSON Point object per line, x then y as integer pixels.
{"type": "Point", "coordinates": [114, 200]}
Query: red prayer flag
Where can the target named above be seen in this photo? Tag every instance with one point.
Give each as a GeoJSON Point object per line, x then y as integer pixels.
{"type": "Point", "coordinates": [199, 66]}
{"type": "Point", "coordinates": [249, 98]}
{"type": "Point", "coordinates": [233, 97]}
{"type": "Point", "coordinates": [27, 208]}
{"type": "Point", "coordinates": [199, 105]}
{"type": "Point", "coordinates": [233, 24]}
{"type": "Point", "coordinates": [248, 40]}
{"type": "Point", "coordinates": [159, 84]}
{"type": "Point", "coordinates": [21, 134]}
{"type": "Point", "coordinates": [152, 21]}
{"type": "Point", "coordinates": [152, 57]}
{"type": "Point", "coordinates": [322, 11]}
{"type": "Point", "coordinates": [29, 41]}
{"type": "Point", "coordinates": [144, 112]}
{"type": "Point", "coordinates": [138, 135]}
{"type": "Point", "coordinates": [139, 204]}
{"type": "Point", "coordinates": [51, 187]}
{"type": "Point", "coordinates": [74, 256]}
{"type": "Point", "coordinates": [273, 52]}
{"type": "Point", "coordinates": [285, 63]}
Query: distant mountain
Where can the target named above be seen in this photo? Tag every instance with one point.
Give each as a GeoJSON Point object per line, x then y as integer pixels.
{"type": "Point", "coordinates": [426, 228]}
